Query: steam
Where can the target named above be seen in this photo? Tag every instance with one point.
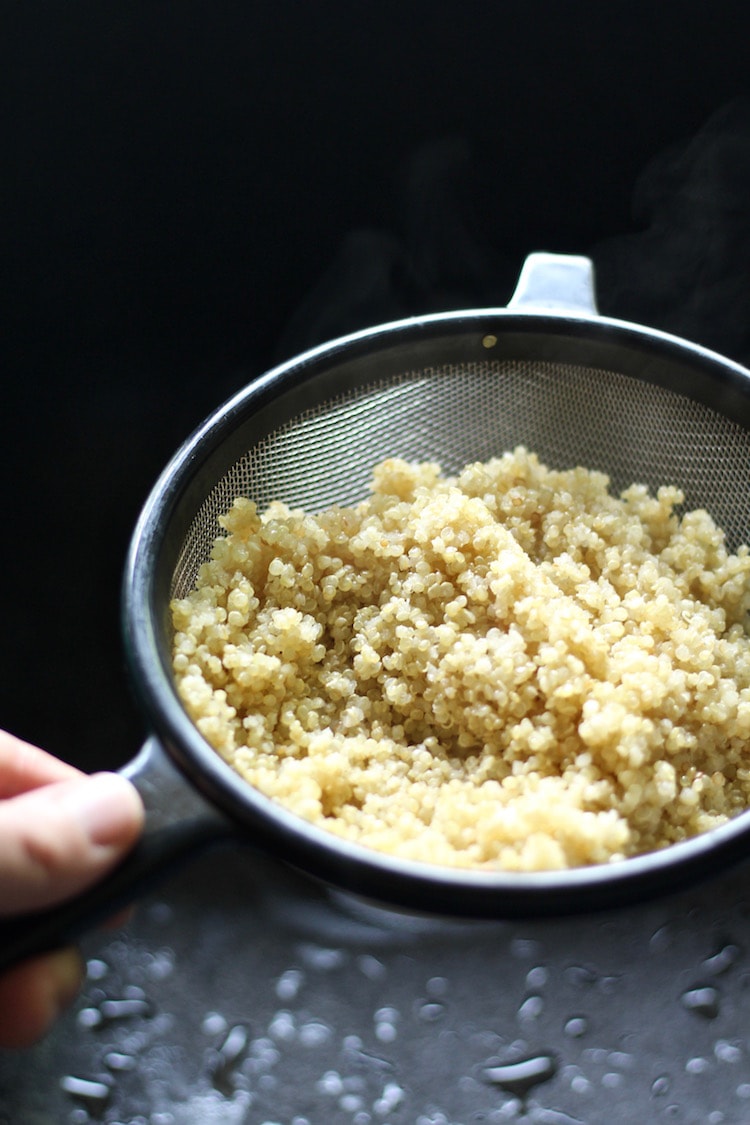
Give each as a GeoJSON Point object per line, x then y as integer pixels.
{"type": "Point", "coordinates": [439, 259]}
{"type": "Point", "coordinates": [364, 285]}
{"type": "Point", "coordinates": [685, 268]}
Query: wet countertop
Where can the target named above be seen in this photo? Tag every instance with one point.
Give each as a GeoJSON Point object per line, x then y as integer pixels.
{"type": "Point", "coordinates": [241, 992]}
{"type": "Point", "coordinates": [200, 190]}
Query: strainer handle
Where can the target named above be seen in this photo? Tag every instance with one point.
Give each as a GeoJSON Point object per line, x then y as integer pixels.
{"type": "Point", "coordinates": [555, 283]}
{"type": "Point", "coordinates": [178, 824]}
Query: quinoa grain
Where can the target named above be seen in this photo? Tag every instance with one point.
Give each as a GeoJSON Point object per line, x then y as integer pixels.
{"type": "Point", "coordinates": [510, 668]}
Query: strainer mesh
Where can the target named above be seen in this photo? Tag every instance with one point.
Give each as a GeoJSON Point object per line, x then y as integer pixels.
{"type": "Point", "coordinates": [570, 415]}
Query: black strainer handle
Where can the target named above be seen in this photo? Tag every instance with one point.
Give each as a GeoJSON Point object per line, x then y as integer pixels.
{"type": "Point", "coordinates": [178, 824]}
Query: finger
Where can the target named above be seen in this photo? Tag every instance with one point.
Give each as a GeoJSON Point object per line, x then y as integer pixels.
{"type": "Point", "coordinates": [36, 993]}
{"type": "Point", "coordinates": [59, 839]}
{"type": "Point", "coordinates": [23, 766]}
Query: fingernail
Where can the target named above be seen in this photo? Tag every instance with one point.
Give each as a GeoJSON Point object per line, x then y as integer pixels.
{"type": "Point", "coordinates": [108, 807]}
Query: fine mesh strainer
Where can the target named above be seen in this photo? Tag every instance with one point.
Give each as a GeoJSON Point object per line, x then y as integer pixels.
{"type": "Point", "coordinates": [547, 373]}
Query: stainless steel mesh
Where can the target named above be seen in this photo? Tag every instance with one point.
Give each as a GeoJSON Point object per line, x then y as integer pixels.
{"type": "Point", "coordinates": [570, 415]}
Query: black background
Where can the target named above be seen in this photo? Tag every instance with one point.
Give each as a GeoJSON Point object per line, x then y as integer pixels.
{"type": "Point", "coordinates": [193, 190]}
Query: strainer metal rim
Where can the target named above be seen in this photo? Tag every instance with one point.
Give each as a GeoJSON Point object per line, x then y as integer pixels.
{"type": "Point", "coordinates": [356, 868]}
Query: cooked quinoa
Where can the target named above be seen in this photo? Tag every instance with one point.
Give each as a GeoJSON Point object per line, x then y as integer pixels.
{"type": "Point", "coordinates": [511, 668]}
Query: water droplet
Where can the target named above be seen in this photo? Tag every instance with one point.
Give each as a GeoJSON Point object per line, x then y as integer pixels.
{"type": "Point", "coordinates": [91, 1092]}
{"type": "Point", "coordinates": [722, 961]}
{"type": "Point", "coordinates": [229, 1054]}
{"type": "Point", "coordinates": [597, 1055]}
{"type": "Point", "coordinates": [520, 1077]}
{"type": "Point", "coordinates": [386, 1032]}
{"type": "Point", "coordinates": [96, 969]}
{"type": "Point", "coordinates": [289, 984]}
{"type": "Point", "coordinates": [532, 1008]}
{"type": "Point", "coordinates": [314, 1034]}
{"type": "Point", "coordinates": [350, 1103]}
{"type": "Point", "coordinates": [320, 958]}
{"type": "Point", "coordinates": [537, 977]}
{"type": "Point", "coordinates": [331, 1084]}
{"type": "Point", "coordinates": [611, 1080]}
{"type": "Point", "coordinates": [112, 1010]}
{"type": "Point", "coordinates": [160, 965]}
{"type": "Point", "coordinates": [551, 1117]}
{"type": "Point", "coordinates": [576, 1026]}
{"type": "Point", "coordinates": [364, 1060]}
{"type": "Point", "coordinates": [371, 967]}
{"type": "Point", "coordinates": [386, 1020]}
{"type": "Point", "coordinates": [89, 1018]}
{"type": "Point", "coordinates": [437, 987]}
{"type": "Point", "coordinates": [117, 1061]}
{"type": "Point", "coordinates": [622, 1059]}
{"type": "Point", "coordinates": [661, 940]}
{"type": "Point", "coordinates": [660, 1086]}
{"type": "Point", "coordinates": [727, 1052]}
{"type": "Point", "coordinates": [524, 947]}
{"type": "Point", "coordinates": [391, 1097]}
{"type": "Point", "coordinates": [743, 1090]}
{"type": "Point", "coordinates": [696, 1065]}
{"type": "Point", "coordinates": [134, 1043]}
{"type": "Point", "coordinates": [234, 1044]}
{"type": "Point", "coordinates": [431, 1012]}
{"type": "Point", "coordinates": [263, 1055]}
{"type": "Point", "coordinates": [703, 1001]}
{"type": "Point", "coordinates": [283, 1027]}
{"type": "Point", "coordinates": [213, 1024]}
{"type": "Point", "coordinates": [579, 975]}
{"type": "Point", "coordinates": [160, 912]}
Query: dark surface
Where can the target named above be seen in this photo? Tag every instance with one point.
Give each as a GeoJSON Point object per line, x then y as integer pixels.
{"type": "Point", "coordinates": [192, 191]}
{"type": "Point", "coordinates": [197, 189]}
{"type": "Point", "coordinates": [350, 1015]}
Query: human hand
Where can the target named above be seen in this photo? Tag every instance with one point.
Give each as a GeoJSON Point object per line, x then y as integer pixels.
{"type": "Point", "coordinates": [60, 831]}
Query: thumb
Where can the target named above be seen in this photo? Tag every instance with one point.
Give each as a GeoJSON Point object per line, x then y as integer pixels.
{"type": "Point", "coordinates": [60, 838]}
